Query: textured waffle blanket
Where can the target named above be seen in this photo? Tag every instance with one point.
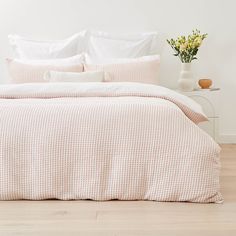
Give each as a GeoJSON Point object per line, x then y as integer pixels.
{"type": "Point", "coordinates": [104, 141]}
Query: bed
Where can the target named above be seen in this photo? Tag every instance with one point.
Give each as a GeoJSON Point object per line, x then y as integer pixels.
{"type": "Point", "coordinates": [104, 141]}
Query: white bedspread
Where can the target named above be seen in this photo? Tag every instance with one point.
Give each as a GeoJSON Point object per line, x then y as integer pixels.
{"type": "Point", "coordinates": [104, 141]}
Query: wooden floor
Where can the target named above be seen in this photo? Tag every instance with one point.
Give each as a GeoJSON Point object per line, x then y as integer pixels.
{"type": "Point", "coordinates": [126, 218]}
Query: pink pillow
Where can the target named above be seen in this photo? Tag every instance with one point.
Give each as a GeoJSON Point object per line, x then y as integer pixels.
{"type": "Point", "coordinates": [26, 72]}
{"type": "Point", "coordinates": [142, 70]}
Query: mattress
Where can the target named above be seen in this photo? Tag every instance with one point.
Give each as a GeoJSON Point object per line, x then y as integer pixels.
{"type": "Point", "coordinates": [104, 141]}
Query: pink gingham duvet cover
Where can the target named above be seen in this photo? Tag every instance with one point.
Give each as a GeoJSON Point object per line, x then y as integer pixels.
{"type": "Point", "coordinates": [104, 141]}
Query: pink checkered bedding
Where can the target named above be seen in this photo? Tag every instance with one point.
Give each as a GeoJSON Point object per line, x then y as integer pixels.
{"type": "Point", "coordinates": [103, 141]}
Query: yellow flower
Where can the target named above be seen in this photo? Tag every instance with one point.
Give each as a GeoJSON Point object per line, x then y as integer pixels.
{"type": "Point", "coordinates": [198, 41]}
{"type": "Point", "coordinates": [183, 46]}
{"type": "Point", "coordinates": [177, 45]}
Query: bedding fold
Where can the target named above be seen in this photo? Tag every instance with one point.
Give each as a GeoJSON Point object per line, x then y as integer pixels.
{"type": "Point", "coordinates": [96, 89]}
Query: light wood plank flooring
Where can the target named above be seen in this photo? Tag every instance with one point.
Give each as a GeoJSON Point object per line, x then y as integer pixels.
{"type": "Point", "coordinates": [118, 218]}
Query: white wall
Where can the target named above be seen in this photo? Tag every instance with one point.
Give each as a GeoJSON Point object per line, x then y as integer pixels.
{"type": "Point", "coordinates": [52, 19]}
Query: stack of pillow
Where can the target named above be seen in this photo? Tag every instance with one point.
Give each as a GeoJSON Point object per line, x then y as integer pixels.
{"type": "Point", "coordinates": [85, 57]}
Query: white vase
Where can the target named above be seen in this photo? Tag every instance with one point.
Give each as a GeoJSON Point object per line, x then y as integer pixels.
{"type": "Point", "coordinates": [186, 82]}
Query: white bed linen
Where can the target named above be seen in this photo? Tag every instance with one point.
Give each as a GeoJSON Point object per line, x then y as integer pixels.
{"type": "Point", "coordinates": [30, 49]}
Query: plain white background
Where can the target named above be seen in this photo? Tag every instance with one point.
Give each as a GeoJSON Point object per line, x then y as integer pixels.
{"type": "Point", "coordinates": [57, 19]}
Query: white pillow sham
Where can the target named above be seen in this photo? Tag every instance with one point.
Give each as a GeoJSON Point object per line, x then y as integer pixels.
{"type": "Point", "coordinates": [29, 49]}
{"type": "Point", "coordinates": [142, 70]}
{"type": "Point", "coordinates": [84, 77]}
{"type": "Point", "coordinates": [105, 45]}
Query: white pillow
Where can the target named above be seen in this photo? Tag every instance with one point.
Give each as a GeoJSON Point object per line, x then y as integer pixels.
{"type": "Point", "coordinates": [24, 48]}
{"type": "Point", "coordinates": [84, 77]}
{"type": "Point", "coordinates": [104, 45]}
{"type": "Point", "coordinates": [142, 70]}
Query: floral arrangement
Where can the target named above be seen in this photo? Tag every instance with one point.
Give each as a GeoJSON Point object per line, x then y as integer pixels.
{"type": "Point", "coordinates": [186, 48]}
